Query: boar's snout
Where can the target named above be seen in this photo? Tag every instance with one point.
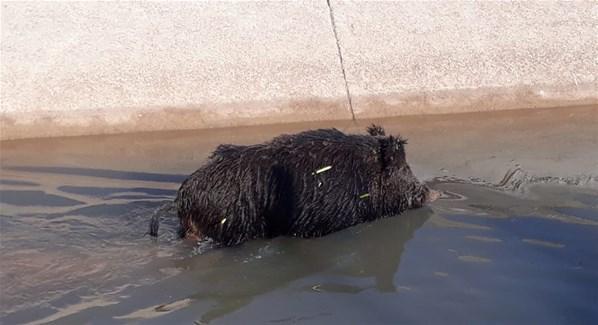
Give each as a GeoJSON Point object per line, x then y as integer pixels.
{"type": "Point", "coordinates": [432, 195]}
{"type": "Point", "coordinates": [425, 195]}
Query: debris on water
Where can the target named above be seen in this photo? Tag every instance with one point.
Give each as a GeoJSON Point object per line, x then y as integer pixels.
{"type": "Point", "coordinates": [363, 196]}
{"type": "Point", "coordinates": [323, 169]}
{"type": "Point", "coordinates": [319, 183]}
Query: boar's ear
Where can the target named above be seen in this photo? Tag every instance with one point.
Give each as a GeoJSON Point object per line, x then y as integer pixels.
{"type": "Point", "coordinates": [392, 150]}
{"type": "Point", "coordinates": [376, 130]}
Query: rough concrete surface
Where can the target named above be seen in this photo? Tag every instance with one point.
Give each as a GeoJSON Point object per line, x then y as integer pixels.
{"type": "Point", "coordinates": [440, 57]}
{"type": "Point", "coordinates": [98, 66]}
{"type": "Point", "coordinates": [94, 68]}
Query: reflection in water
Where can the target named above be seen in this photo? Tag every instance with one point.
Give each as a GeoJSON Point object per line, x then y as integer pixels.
{"type": "Point", "coordinates": [87, 247]}
{"type": "Point", "coordinates": [108, 191]}
{"type": "Point", "coordinates": [367, 251]}
{"type": "Point", "coordinates": [88, 250]}
{"type": "Point", "coordinates": [80, 254]}
{"type": "Point", "coordinates": [102, 173]}
{"type": "Point", "coordinates": [32, 198]}
{"type": "Point", "coordinates": [17, 182]}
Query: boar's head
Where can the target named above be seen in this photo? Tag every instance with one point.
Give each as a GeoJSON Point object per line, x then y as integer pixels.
{"type": "Point", "coordinates": [398, 188]}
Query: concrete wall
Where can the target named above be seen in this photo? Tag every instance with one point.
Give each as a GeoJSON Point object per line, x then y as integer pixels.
{"type": "Point", "coordinates": [91, 68]}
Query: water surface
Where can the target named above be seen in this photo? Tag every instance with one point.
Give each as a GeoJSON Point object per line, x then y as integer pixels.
{"type": "Point", "coordinates": [74, 253]}
{"type": "Point", "coordinates": [513, 240]}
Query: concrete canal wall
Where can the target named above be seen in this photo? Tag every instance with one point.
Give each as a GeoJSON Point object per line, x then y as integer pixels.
{"type": "Point", "coordinates": [96, 68]}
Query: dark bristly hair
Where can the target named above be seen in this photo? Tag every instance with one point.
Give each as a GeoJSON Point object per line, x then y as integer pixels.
{"type": "Point", "coordinates": [305, 185]}
{"type": "Point", "coordinates": [376, 130]}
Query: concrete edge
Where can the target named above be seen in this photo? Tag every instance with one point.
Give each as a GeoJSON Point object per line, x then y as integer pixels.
{"type": "Point", "coordinates": [41, 124]}
{"type": "Point", "coordinates": [474, 100]}
{"type": "Point", "coordinates": [21, 125]}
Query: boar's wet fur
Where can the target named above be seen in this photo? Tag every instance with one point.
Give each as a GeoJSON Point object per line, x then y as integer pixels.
{"type": "Point", "coordinates": [305, 185]}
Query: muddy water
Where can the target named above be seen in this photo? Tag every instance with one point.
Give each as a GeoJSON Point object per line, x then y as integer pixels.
{"type": "Point", "coordinates": [518, 245]}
